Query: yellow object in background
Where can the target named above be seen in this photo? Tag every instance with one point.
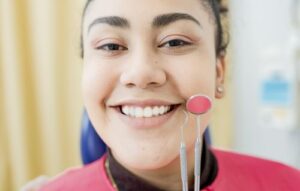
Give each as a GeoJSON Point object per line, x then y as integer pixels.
{"type": "Point", "coordinates": [40, 102]}
{"type": "Point", "coordinates": [40, 96]}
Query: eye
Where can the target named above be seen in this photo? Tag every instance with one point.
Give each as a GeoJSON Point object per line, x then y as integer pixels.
{"type": "Point", "coordinates": [176, 43]}
{"type": "Point", "coordinates": [111, 47]}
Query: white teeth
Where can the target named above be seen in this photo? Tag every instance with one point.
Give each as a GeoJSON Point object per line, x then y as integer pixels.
{"type": "Point", "coordinates": [148, 112]}
{"type": "Point", "coordinates": [145, 112]}
{"type": "Point", "coordinates": [131, 111]}
{"type": "Point", "coordinates": [126, 110]}
{"type": "Point", "coordinates": [139, 112]}
{"type": "Point", "coordinates": [161, 110]}
{"type": "Point", "coordinates": [155, 111]}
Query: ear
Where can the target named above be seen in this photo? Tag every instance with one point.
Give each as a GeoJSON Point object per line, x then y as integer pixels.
{"type": "Point", "coordinates": [220, 76]}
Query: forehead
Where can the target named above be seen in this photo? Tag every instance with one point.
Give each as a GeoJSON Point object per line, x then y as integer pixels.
{"type": "Point", "coordinates": [142, 12]}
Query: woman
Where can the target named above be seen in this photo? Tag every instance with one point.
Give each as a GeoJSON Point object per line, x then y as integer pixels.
{"type": "Point", "coordinates": [142, 61]}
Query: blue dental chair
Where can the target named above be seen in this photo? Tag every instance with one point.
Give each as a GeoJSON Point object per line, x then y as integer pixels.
{"type": "Point", "coordinates": [91, 145]}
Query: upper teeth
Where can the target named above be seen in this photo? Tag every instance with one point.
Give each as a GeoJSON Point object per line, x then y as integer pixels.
{"type": "Point", "coordinates": [145, 112]}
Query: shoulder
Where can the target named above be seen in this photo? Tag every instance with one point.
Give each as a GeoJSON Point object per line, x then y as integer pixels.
{"type": "Point", "coordinates": [91, 176]}
{"type": "Point", "coordinates": [255, 173]}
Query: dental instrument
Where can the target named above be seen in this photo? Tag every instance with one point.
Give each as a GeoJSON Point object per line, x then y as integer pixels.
{"type": "Point", "coordinates": [183, 160]}
{"type": "Point", "coordinates": [198, 105]}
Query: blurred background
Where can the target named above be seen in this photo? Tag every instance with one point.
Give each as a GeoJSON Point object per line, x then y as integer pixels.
{"type": "Point", "coordinates": [40, 96]}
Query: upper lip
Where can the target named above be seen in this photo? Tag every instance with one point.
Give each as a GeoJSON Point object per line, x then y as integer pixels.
{"type": "Point", "coordinates": [143, 103]}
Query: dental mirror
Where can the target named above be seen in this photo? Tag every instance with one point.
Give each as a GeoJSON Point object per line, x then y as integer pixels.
{"type": "Point", "coordinates": [198, 104]}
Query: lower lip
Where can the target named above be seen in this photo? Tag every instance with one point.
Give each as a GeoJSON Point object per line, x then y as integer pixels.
{"type": "Point", "coordinates": [146, 122]}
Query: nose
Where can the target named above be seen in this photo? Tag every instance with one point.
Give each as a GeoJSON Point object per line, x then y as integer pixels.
{"type": "Point", "coordinates": [143, 71]}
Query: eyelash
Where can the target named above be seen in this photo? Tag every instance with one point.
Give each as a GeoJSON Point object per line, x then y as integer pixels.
{"type": "Point", "coordinates": [181, 43]}
{"type": "Point", "coordinates": [112, 47]}
{"type": "Point", "coordinates": [106, 47]}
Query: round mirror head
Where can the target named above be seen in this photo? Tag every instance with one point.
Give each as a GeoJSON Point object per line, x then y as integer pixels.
{"type": "Point", "coordinates": [198, 104]}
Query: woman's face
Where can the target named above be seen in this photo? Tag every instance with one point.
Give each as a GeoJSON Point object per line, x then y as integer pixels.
{"type": "Point", "coordinates": [142, 61]}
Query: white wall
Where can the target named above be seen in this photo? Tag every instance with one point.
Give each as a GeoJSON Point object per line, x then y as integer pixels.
{"type": "Point", "coordinates": [261, 40]}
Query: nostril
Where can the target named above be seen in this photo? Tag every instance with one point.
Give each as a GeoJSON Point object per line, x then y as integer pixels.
{"type": "Point", "coordinates": [154, 84]}
{"type": "Point", "coordinates": [143, 76]}
{"type": "Point", "coordinates": [130, 85]}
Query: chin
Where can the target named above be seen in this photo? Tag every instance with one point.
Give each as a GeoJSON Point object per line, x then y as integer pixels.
{"type": "Point", "coordinates": [145, 158]}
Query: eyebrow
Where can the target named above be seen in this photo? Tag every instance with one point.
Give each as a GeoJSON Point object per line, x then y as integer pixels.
{"type": "Point", "coordinates": [115, 21]}
{"type": "Point", "coordinates": [166, 19]}
{"type": "Point", "coordinates": [158, 22]}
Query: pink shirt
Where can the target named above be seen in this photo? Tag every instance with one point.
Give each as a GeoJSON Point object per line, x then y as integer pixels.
{"type": "Point", "coordinates": [236, 173]}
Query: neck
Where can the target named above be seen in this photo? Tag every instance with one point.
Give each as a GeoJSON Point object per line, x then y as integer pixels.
{"type": "Point", "coordinates": [167, 178]}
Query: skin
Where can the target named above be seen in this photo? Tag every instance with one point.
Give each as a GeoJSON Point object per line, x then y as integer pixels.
{"type": "Point", "coordinates": [168, 63]}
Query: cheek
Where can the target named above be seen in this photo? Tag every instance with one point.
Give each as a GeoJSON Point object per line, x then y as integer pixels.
{"type": "Point", "coordinates": [96, 87]}
{"type": "Point", "coordinates": [194, 76]}
{"type": "Point", "coordinates": [94, 84]}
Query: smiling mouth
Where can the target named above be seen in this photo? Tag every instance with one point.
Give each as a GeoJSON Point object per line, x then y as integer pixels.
{"type": "Point", "coordinates": [147, 111]}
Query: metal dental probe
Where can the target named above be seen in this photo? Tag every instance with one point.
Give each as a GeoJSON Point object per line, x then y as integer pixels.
{"type": "Point", "coordinates": [183, 160]}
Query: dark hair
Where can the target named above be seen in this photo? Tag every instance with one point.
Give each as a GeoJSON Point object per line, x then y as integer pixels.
{"type": "Point", "coordinates": [217, 9]}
